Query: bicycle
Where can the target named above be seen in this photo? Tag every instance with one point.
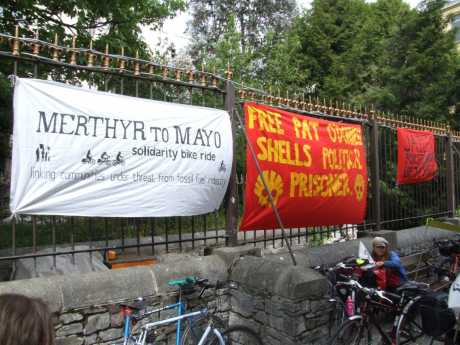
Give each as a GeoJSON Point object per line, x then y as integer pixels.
{"type": "Point", "coordinates": [433, 319]}
{"type": "Point", "coordinates": [427, 317]}
{"type": "Point", "coordinates": [185, 334]}
{"type": "Point", "coordinates": [443, 260]}
{"type": "Point", "coordinates": [358, 329]}
{"type": "Point", "coordinates": [340, 294]}
{"type": "Point", "coordinates": [233, 335]}
{"type": "Point", "coordinates": [425, 320]}
{"type": "Point", "coordinates": [337, 313]}
{"type": "Point", "coordinates": [449, 266]}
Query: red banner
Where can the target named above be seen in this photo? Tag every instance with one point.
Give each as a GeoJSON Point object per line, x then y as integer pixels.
{"type": "Point", "coordinates": [416, 158]}
{"type": "Point", "coordinates": [315, 169]}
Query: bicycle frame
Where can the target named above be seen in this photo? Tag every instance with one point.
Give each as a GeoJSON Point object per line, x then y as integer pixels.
{"type": "Point", "coordinates": [366, 312]}
{"type": "Point", "coordinates": [388, 338]}
{"type": "Point", "coordinates": [146, 328]}
{"type": "Point", "coordinates": [127, 320]}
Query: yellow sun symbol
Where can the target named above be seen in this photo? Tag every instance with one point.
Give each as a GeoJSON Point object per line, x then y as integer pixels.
{"type": "Point", "coordinates": [275, 185]}
{"type": "Point", "coordinates": [359, 187]}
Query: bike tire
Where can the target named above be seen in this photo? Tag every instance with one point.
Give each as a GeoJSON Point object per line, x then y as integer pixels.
{"type": "Point", "coordinates": [337, 317]}
{"type": "Point", "coordinates": [409, 330]}
{"type": "Point", "coordinates": [240, 335]}
{"type": "Point", "coordinates": [193, 331]}
{"type": "Point", "coordinates": [352, 332]}
{"type": "Point", "coordinates": [452, 338]}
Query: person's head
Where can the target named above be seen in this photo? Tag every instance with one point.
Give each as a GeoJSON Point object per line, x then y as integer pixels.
{"type": "Point", "coordinates": [25, 321]}
{"type": "Point", "coordinates": [380, 248]}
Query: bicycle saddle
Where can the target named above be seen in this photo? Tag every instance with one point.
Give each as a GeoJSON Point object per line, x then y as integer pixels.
{"type": "Point", "coordinates": [187, 281]}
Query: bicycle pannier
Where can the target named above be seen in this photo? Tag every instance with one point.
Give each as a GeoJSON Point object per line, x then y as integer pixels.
{"type": "Point", "coordinates": [437, 318]}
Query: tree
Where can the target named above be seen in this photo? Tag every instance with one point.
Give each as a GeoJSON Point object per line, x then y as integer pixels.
{"type": "Point", "coordinates": [326, 32]}
{"type": "Point", "coordinates": [119, 20]}
{"type": "Point", "coordinates": [384, 53]}
{"type": "Point", "coordinates": [253, 19]}
{"type": "Point", "coordinates": [249, 21]}
{"type": "Point", "coordinates": [116, 23]}
{"type": "Point", "coordinates": [381, 26]}
{"type": "Point", "coordinates": [424, 64]}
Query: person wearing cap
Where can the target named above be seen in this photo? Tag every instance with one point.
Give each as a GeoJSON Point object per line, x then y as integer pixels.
{"type": "Point", "coordinates": [389, 260]}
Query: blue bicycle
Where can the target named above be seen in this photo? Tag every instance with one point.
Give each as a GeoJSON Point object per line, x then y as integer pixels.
{"type": "Point", "coordinates": [188, 330]}
{"type": "Point", "coordinates": [233, 335]}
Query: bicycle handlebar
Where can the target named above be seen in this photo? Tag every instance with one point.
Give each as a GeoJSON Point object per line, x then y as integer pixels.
{"type": "Point", "coordinates": [371, 292]}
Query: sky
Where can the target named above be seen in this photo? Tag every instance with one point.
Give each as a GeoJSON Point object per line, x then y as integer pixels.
{"type": "Point", "coordinates": [174, 29]}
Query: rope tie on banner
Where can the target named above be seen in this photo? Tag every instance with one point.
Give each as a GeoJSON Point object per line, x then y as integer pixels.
{"type": "Point", "coordinates": [261, 175]}
{"type": "Point", "coordinates": [12, 78]}
{"type": "Point", "coordinates": [10, 219]}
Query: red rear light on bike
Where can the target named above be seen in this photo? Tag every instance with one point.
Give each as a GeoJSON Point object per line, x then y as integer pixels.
{"type": "Point", "coordinates": [125, 311]}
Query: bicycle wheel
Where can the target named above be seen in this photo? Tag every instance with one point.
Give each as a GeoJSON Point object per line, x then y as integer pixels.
{"type": "Point", "coordinates": [409, 330]}
{"type": "Point", "coordinates": [195, 328]}
{"type": "Point", "coordinates": [337, 317]}
{"type": "Point", "coordinates": [240, 335]}
{"type": "Point", "coordinates": [352, 332]}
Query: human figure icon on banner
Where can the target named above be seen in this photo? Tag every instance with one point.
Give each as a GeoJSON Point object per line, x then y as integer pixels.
{"type": "Point", "coordinates": [222, 167]}
{"type": "Point", "coordinates": [89, 158]}
{"type": "Point", "coordinates": [42, 153]}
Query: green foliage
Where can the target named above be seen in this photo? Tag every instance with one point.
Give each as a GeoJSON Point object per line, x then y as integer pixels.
{"type": "Point", "coordinates": [97, 229]}
{"type": "Point", "coordinates": [424, 63]}
{"type": "Point", "coordinates": [117, 20]}
{"type": "Point", "coordinates": [253, 19]}
{"type": "Point", "coordinates": [399, 59]}
{"type": "Point", "coordinates": [236, 32]}
{"type": "Point", "coordinates": [383, 53]}
{"type": "Point", "coordinates": [5, 109]}
{"type": "Point", "coordinates": [327, 43]}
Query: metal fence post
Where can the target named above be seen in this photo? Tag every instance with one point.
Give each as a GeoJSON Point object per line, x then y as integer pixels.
{"type": "Point", "coordinates": [450, 175]}
{"type": "Point", "coordinates": [375, 170]}
{"type": "Point", "coordinates": [231, 209]}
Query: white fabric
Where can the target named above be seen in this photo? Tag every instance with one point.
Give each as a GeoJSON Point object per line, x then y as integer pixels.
{"type": "Point", "coordinates": [80, 152]}
{"type": "Point", "coordinates": [363, 253]}
{"type": "Point", "coordinates": [454, 296]}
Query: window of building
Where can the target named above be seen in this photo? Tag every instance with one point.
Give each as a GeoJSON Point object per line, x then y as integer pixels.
{"type": "Point", "coordinates": [456, 26]}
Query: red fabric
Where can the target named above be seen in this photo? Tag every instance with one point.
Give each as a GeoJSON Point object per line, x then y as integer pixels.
{"type": "Point", "coordinates": [315, 169]}
{"type": "Point", "coordinates": [393, 278]}
{"type": "Point", "coordinates": [416, 158]}
{"type": "Point", "coordinates": [381, 277]}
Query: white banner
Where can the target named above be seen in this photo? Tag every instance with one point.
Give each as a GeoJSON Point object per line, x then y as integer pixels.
{"type": "Point", "coordinates": [80, 152]}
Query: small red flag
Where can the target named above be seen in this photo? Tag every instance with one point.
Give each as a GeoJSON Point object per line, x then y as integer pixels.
{"type": "Point", "coordinates": [416, 158]}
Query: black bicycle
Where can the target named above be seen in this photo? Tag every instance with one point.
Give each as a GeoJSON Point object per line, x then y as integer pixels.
{"type": "Point", "coordinates": [367, 327]}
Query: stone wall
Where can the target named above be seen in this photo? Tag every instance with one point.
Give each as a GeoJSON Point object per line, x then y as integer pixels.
{"type": "Point", "coordinates": [104, 324]}
{"type": "Point", "coordinates": [286, 304]}
{"type": "Point", "coordinates": [87, 306]}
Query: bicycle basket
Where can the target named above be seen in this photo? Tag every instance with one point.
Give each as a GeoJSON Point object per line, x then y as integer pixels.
{"type": "Point", "coordinates": [436, 317]}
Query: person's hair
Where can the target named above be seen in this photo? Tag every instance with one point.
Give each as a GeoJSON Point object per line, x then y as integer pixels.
{"type": "Point", "coordinates": [386, 253]}
{"type": "Point", "coordinates": [25, 321]}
